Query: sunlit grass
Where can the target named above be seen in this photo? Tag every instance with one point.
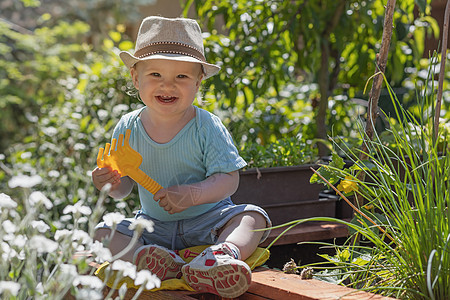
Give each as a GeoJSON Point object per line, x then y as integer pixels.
{"type": "Point", "coordinates": [400, 238]}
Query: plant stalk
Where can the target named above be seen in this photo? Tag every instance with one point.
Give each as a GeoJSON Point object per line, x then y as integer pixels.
{"type": "Point", "coordinates": [441, 72]}
{"type": "Point", "coordinates": [374, 95]}
{"type": "Point", "coordinates": [354, 207]}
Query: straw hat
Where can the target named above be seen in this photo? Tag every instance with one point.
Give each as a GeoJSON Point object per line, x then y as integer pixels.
{"type": "Point", "coordinates": [177, 39]}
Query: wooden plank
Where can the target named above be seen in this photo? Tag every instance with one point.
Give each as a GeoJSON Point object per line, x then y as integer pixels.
{"type": "Point", "coordinates": [158, 295]}
{"type": "Point", "coordinates": [312, 231]}
{"type": "Point", "coordinates": [267, 284]}
{"type": "Point", "coordinates": [278, 285]}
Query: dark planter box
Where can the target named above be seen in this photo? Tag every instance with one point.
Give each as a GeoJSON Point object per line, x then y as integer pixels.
{"type": "Point", "coordinates": [285, 193]}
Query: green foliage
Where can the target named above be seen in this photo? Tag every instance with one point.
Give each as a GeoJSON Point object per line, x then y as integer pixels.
{"type": "Point", "coordinates": [263, 47]}
{"type": "Point", "coordinates": [62, 96]}
{"type": "Point", "coordinates": [284, 152]}
{"type": "Point", "coordinates": [400, 245]}
{"type": "Point", "coordinates": [67, 100]}
{"type": "Point", "coordinates": [30, 68]}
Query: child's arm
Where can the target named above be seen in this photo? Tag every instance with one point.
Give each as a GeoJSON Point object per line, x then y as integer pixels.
{"type": "Point", "coordinates": [120, 186]}
{"type": "Point", "coordinates": [213, 189]}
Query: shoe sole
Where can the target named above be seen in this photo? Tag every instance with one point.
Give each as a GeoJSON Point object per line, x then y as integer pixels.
{"type": "Point", "coordinates": [228, 281]}
{"type": "Point", "coordinates": [159, 262]}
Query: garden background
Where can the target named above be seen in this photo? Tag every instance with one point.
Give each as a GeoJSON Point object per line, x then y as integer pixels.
{"type": "Point", "coordinates": [293, 73]}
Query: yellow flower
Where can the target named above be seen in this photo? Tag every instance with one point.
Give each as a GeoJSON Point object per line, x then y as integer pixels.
{"type": "Point", "coordinates": [368, 206]}
{"type": "Point", "coordinates": [347, 185]}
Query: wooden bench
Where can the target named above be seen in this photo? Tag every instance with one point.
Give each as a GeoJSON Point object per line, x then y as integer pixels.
{"type": "Point", "coordinates": [312, 231]}
{"type": "Point", "coordinates": [271, 284]}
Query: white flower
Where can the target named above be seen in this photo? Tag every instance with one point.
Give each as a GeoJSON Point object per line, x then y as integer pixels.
{"type": "Point", "coordinates": [24, 181]}
{"type": "Point", "coordinates": [140, 224]}
{"type": "Point", "coordinates": [65, 218]}
{"type": "Point", "coordinates": [82, 194]}
{"type": "Point", "coordinates": [9, 237]}
{"type": "Point", "coordinates": [39, 198]}
{"type": "Point", "coordinates": [42, 244]}
{"type": "Point", "coordinates": [9, 286]}
{"type": "Point", "coordinates": [90, 281]}
{"type": "Point", "coordinates": [82, 220]}
{"type": "Point", "coordinates": [26, 155]}
{"type": "Point", "coordinates": [7, 202]}
{"type": "Point", "coordinates": [145, 277]}
{"type": "Point", "coordinates": [61, 234]}
{"type": "Point", "coordinates": [101, 252]}
{"type": "Point", "coordinates": [7, 251]}
{"type": "Point", "coordinates": [9, 226]}
{"type": "Point", "coordinates": [53, 173]}
{"type": "Point", "coordinates": [82, 236]}
{"type": "Point", "coordinates": [127, 268]}
{"type": "Point", "coordinates": [19, 241]}
{"type": "Point", "coordinates": [77, 208]}
{"type": "Point", "coordinates": [21, 255]}
{"type": "Point", "coordinates": [79, 146]}
{"type": "Point", "coordinates": [102, 114]}
{"type": "Point", "coordinates": [69, 270]}
{"type": "Point", "coordinates": [118, 109]}
{"type": "Point", "coordinates": [113, 218]}
{"type": "Point", "coordinates": [90, 294]}
{"type": "Point", "coordinates": [50, 131]}
{"type": "Point", "coordinates": [40, 225]}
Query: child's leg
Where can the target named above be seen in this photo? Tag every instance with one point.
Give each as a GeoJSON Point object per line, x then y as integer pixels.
{"type": "Point", "coordinates": [162, 262]}
{"type": "Point", "coordinates": [239, 232]}
{"type": "Point", "coordinates": [219, 269]}
{"type": "Point", "coordinates": [118, 242]}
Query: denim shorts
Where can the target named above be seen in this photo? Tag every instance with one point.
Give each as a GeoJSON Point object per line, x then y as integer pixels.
{"type": "Point", "coordinates": [200, 230]}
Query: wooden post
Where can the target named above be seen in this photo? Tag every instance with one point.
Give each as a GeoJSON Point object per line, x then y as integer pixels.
{"type": "Point", "coordinates": [441, 71]}
{"type": "Point", "coordinates": [374, 95]}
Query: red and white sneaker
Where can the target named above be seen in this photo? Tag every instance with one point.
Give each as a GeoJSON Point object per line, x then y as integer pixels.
{"type": "Point", "coordinates": [217, 271]}
{"type": "Point", "coordinates": [162, 262]}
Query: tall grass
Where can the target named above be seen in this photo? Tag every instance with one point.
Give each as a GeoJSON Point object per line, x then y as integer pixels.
{"type": "Point", "coordinates": [400, 243]}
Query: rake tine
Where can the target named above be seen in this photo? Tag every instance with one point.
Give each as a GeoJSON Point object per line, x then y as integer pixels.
{"type": "Point", "coordinates": [107, 148]}
{"type": "Point", "coordinates": [127, 137]}
{"type": "Point", "coordinates": [120, 141]}
{"type": "Point", "coordinates": [113, 145]}
{"type": "Point", "coordinates": [100, 157]}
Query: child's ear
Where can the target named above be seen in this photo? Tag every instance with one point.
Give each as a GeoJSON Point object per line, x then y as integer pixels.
{"type": "Point", "coordinates": [134, 77]}
{"type": "Point", "coordinates": [199, 81]}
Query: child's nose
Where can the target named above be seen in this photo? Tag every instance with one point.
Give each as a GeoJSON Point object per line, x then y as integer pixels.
{"type": "Point", "coordinates": [168, 83]}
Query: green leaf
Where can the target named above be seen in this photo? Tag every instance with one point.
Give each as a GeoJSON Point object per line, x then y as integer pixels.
{"type": "Point", "coordinates": [329, 172]}
{"type": "Point", "coordinates": [422, 4]}
{"type": "Point", "coordinates": [115, 36]}
{"type": "Point", "coordinates": [31, 3]}
{"type": "Point", "coordinates": [126, 45]}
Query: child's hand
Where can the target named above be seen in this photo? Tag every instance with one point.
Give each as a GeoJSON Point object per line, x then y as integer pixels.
{"type": "Point", "coordinates": [177, 198]}
{"type": "Point", "coordinates": [216, 187]}
{"type": "Point", "coordinates": [102, 176]}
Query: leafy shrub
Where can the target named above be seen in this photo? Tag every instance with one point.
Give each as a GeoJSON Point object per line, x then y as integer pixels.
{"type": "Point", "coordinates": [48, 205]}
{"type": "Point", "coordinates": [284, 152]}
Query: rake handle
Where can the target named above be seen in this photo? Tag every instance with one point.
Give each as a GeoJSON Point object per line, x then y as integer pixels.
{"type": "Point", "coordinates": [144, 180]}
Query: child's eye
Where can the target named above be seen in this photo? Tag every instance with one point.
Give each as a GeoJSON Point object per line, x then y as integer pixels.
{"type": "Point", "coordinates": [155, 74]}
{"type": "Point", "coordinates": [182, 76]}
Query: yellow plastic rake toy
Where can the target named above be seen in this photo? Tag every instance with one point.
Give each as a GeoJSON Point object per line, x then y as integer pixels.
{"type": "Point", "coordinates": [126, 161]}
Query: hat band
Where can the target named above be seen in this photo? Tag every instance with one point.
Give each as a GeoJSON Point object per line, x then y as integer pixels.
{"type": "Point", "coordinates": [170, 48]}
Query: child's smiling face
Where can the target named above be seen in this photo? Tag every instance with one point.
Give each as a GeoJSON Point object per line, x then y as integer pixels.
{"type": "Point", "coordinates": [167, 86]}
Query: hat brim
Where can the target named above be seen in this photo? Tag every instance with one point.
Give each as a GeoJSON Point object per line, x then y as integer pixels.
{"type": "Point", "coordinates": [130, 60]}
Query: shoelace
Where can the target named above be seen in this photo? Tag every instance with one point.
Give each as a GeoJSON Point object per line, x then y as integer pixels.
{"type": "Point", "coordinates": [188, 253]}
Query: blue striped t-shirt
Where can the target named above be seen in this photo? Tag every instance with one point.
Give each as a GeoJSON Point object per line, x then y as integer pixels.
{"type": "Point", "coordinates": [202, 148]}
